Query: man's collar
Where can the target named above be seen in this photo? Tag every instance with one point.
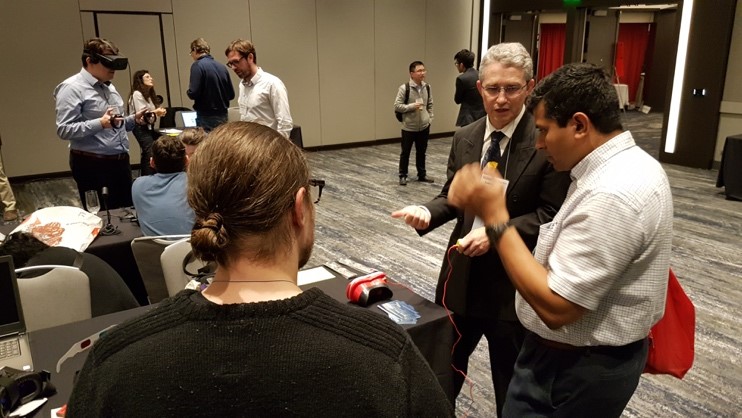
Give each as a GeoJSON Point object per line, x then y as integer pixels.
{"type": "Point", "coordinates": [254, 79]}
{"type": "Point", "coordinates": [508, 129]}
{"type": "Point", "coordinates": [90, 79]}
{"type": "Point", "coordinates": [413, 84]}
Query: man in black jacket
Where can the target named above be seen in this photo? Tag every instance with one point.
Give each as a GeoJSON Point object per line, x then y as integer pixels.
{"type": "Point", "coordinates": [467, 94]}
{"type": "Point", "coordinates": [478, 291]}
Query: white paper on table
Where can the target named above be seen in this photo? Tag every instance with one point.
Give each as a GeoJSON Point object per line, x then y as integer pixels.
{"type": "Point", "coordinates": [62, 226]}
{"type": "Point", "coordinates": [28, 407]}
{"type": "Point", "coordinates": [316, 274]}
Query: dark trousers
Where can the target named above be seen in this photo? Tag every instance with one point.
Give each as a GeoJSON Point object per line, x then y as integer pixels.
{"type": "Point", "coordinates": [585, 382]}
{"type": "Point", "coordinates": [91, 173]}
{"type": "Point", "coordinates": [420, 139]}
{"type": "Point", "coordinates": [211, 121]}
{"type": "Point", "coordinates": [504, 339]}
{"type": "Point", "coordinates": [145, 137]}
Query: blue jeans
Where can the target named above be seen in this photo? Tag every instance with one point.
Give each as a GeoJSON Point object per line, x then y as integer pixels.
{"type": "Point", "coordinates": [210, 122]}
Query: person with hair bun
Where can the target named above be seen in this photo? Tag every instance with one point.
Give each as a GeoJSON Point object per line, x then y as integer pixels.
{"type": "Point", "coordinates": [253, 343]}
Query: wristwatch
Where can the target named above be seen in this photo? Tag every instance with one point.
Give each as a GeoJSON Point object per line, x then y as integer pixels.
{"type": "Point", "coordinates": [494, 232]}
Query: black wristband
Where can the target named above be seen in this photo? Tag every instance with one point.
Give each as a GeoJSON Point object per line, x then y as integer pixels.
{"type": "Point", "coordinates": [494, 232]}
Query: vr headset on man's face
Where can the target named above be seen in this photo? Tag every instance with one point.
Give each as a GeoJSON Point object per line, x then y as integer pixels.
{"type": "Point", "coordinates": [113, 62]}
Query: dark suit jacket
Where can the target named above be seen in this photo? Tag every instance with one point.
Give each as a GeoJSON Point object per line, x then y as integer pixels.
{"type": "Point", "coordinates": [468, 97]}
{"type": "Point", "coordinates": [479, 286]}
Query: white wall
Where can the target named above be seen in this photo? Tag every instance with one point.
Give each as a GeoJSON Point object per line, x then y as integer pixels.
{"type": "Point", "coordinates": [730, 118]}
{"type": "Point", "coordinates": [341, 60]}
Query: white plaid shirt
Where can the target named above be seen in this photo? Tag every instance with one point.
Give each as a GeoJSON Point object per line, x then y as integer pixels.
{"type": "Point", "coordinates": [608, 247]}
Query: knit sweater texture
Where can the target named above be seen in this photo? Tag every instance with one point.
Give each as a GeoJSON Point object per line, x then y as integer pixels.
{"type": "Point", "coordinates": [306, 356]}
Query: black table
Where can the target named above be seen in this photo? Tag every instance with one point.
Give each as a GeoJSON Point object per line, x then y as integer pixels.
{"type": "Point", "coordinates": [730, 171]}
{"type": "Point", "coordinates": [433, 335]}
{"type": "Point", "coordinates": [295, 136]}
{"type": "Point", "coordinates": [115, 250]}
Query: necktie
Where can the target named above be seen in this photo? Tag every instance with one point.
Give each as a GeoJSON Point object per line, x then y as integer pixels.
{"type": "Point", "coordinates": [493, 152]}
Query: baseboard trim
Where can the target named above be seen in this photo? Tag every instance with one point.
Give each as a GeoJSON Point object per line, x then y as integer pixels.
{"type": "Point", "coordinates": [63, 174]}
{"type": "Point", "coordinates": [370, 143]}
{"type": "Point", "coordinates": [48, 176]}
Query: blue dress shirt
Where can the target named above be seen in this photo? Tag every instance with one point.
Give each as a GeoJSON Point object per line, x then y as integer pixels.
{"type": "Point", "coordinates": [81, 101]}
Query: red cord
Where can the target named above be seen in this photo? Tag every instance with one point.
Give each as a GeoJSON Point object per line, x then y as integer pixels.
{"type": "Point", "coordinates": [468, 381]}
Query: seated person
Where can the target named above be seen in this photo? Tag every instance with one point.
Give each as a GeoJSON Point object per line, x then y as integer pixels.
{"type": "Point", "coordinates": [253, 343]}
{"type": "Point", "coordinates": [160, 199]}
{"type": "Point", "coordinates": [108, 292]}
{"type": "Point", "coordinates": [191, 137]}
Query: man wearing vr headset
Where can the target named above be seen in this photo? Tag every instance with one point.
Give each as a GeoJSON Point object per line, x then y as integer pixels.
{"type": "Point", "coordinates": [89, 116]}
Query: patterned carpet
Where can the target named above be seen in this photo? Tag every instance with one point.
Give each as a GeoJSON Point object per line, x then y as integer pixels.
{"type": "Point", "coordinates": [353, 220]}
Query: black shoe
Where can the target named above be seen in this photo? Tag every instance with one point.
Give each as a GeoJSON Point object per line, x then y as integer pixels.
{"type": "Point", "coordinates": [425, 180]}
{"type": "Point", "coordinates": [403, 181]}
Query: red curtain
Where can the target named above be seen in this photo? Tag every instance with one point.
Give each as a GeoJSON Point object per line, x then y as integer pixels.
{"type": "Point", "coordinates": [633, 39]}
{"type": "Point", "coordinates": [551, 48]}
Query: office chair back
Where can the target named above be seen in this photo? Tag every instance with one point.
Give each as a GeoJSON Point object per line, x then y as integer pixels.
{"type": "Point", "coordinates": [59, 296]}
{"type": "Point", "coordinates": [147, 251]}
{"type": "Point", "coordinates": [172, 266]}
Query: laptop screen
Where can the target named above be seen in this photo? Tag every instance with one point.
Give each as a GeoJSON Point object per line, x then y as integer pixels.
{"type": "Point", "coordinates": [11, 316]}
{"type": "Point", "coordinates": [189, 119]}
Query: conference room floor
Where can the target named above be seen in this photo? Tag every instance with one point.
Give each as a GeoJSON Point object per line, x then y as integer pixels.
{"type": "Point", "coordinates": [353, 220]}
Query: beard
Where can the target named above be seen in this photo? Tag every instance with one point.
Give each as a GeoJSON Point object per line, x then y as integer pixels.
{"type": "Point", "coordinates": [305, 252]}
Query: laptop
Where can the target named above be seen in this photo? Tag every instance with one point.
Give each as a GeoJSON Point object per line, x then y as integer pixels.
{"type": "Point", "coordinates": [15, 351]}
{"type": "Point", "coordinates": [189, 119]}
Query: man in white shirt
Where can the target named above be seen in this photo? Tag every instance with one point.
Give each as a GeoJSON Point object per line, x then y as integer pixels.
{"type": "Point", "coordinates": [597, 281]}
{"type": "Point", "coordinates": [263, 97]}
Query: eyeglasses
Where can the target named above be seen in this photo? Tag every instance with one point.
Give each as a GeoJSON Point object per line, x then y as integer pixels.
{"type": "Point", "coordinates": [510, 91]}
{"type": "Point", "coordinates": [420, 71]}
{"type": "Point", "coordinates": [320, 184]}
{"type": "Point", "coordinates": [81, 346]}
{"type": "Point", "coordinates": [233, 63]}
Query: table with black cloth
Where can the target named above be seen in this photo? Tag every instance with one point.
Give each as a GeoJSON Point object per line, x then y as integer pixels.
{"type": "Point", "coordinates": [115, 250]}
{"type": "Point", "coordinates": [730, 171]}
{"type": "Point", "coordinates": [295, 136]}
{"type": "Point", "coordinates": [432, 335]}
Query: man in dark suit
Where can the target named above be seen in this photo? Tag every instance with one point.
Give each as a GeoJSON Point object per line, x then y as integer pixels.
{"type": "Point", "coordinates": [467, 94]}
{"type": "Point", "coordinates": [478, 290]}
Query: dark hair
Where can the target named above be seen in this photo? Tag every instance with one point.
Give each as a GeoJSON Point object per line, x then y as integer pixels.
{"type": "Point", "coordinates": [465, 57]}
{"type": "Point", "coordinates": [576, 88]}
{"type": "Point", "coordinates": [192, 136]}
{"type": "Point", "coordinates": [97, 46]}
{"type": "Point", "coordinates": [137, 84]}
{"type": "Point", "coordinates": [244, 47]}
{"type": "Point", "coordinates": [22, 246]}
{"type": "Point", "coordinates": [168, 153]}
{"type": "Point", "coordinates": [201, 46]}
{"type": "Point", "coordinates": [241, 185]}
{"type": "Point", "coordinates": [415, 64]}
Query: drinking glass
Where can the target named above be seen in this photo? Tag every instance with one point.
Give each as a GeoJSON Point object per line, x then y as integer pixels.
{"type": "Point", "coordinates": [92, 202]}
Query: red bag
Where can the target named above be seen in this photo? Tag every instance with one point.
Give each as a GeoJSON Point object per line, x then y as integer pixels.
{"type": "Point", "coordinates": [672, 339]}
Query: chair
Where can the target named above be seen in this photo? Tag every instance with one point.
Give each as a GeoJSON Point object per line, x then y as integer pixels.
{"type": "Point", "coordinates": [168, 121]}
{"type": "Point", "coordinates": [59, 296]}
{"type": "Point", "coordinates": [147, 251]}
{"type": "Point", "coordinates": [172, 266]}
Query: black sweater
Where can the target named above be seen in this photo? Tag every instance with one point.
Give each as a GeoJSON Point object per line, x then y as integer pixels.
{"type": "Point", "coordinates": [305, 356]}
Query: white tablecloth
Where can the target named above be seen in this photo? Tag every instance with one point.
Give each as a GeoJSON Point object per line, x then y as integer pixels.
{"type": "Point", "coordinates": [623, 95]}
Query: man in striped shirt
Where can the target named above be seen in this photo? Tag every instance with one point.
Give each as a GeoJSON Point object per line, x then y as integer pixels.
{"type": "Point", "coordinates": [597, 280]}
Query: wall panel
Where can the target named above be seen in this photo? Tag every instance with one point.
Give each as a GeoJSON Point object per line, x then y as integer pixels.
{"type": "Point", "coordinates": [291, 55]}
{"type": "Point", "coordinates": [399, 41]}
{"type": "Point", "coordinates": [447, 32]}
{"type": "Point", "coordinates": [34, 61]}
{"type": "Point", "coordinates": [345, 34]}
{"type": "Point", "coordinates": [218, 23]}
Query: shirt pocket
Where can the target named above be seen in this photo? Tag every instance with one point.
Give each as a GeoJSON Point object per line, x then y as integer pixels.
{"type": "Point", "coordinates": [547, 236]}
